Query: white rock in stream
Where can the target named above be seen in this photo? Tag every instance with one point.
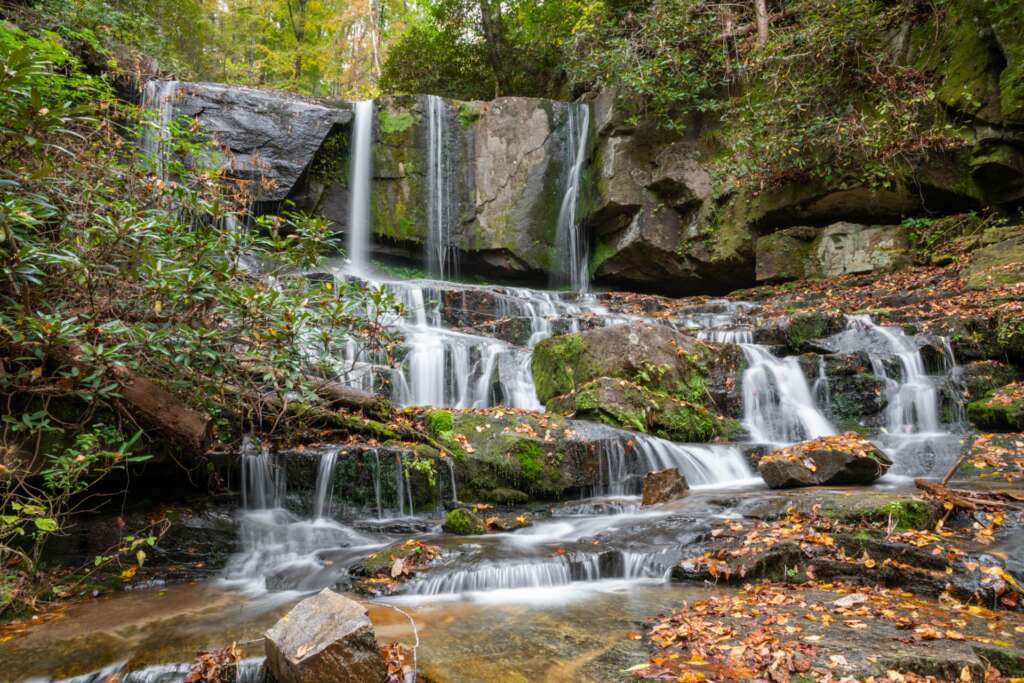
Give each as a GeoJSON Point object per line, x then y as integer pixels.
{"type": "Point", "coordinates": [325, 639]}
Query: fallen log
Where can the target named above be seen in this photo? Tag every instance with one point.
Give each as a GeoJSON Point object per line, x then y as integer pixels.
{"type": "Point", "coordinates": [155, 407]}
{"type": "Point", "coordinates": [966, 499]}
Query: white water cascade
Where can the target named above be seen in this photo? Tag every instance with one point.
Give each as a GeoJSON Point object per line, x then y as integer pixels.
{"type": "Point", "coordinates": [442, 200]}
{"type": "Point", "coordinates": [570, 244]}
{"type": "Point", "coordinates": [778, 407]}
{"type": "Point", "coordinates": [158, 97]}
{"type": "Point", "coordinates": [360, 177]}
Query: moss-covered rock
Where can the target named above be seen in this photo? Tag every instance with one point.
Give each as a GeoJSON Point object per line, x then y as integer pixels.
{"type": "Point", "coordinates": [1001, 262]}
{"type": "Point", "coordinates": [981, 377]}
{"type": "Point", "coordinates": [653, 356]}
{"type": "Point", "coordinates": [440, 422]}
{"type": "Point", "coordinates": [514, 456]}
{"type": "Point", "coordinates": [620, 403]}
{"type": "Point", "coordinates": [463, 523]}
{"type": "Point", "coordinates": [1002, 410]}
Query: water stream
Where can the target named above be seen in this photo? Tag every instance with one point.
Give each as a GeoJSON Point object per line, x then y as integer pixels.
{"type": "Point", "coordinates": [360, 177]}
{"type": "Point", "coordinates": [503, 602]}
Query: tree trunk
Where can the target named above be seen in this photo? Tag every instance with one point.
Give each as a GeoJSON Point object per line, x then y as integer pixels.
{"type": "Point", "coordinates": [761, 16]}
{"type": "Point", "coordinates": [494, 36]}
{"type": "Point", "coordinates": [162, 411]}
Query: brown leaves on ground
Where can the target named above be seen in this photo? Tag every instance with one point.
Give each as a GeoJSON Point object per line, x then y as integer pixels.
{"type": "Point", "coordinates": [1008, 395]}
{"type": "Point", "coordinates": [851, 443]}
{"type": "Point", "coordinates": [774, 632]}
{"type": "Point", "coordinates": [809, 542]}
{"type": "Point", "coordinates": [402, 562]}
{"type": "Point", "coordinates": [998, 455]}
{"type": "Point", "coordinates": [216, 666]}
{"type": "Point", "coordinates": [398, 660]}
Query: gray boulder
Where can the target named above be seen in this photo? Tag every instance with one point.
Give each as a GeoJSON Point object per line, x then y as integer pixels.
{"type": "Point", "coordinates": [844, 459]}
{"type": "Point", "coordinates": [267, 136]}
{"type": "Point", "coordinates": [325, 639]}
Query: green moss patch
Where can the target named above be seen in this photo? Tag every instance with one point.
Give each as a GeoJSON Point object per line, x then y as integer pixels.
{"type": "Point", "coordinates": [463, 522]}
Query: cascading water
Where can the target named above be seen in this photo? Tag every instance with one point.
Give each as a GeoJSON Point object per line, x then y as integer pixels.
{"type": "Point", "coordinates": [913, 399]}
{"type": "Point", "coordinates": [778, 407]}
{"type": "Point", "coordinates": [570, 244]}
{"type": "Point", "coordinates": [360, 176]}
{"type": "Point", "coordinates": [158, 97]}
{"type": "Point", "coordinates": [442, 201]}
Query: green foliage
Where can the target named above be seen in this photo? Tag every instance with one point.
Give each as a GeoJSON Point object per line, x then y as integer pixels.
{"type": "Point", "coordinates": [825, 99]}
{"type": "Point", "coordinates": [109, 271]}
{"type": "Point", "coordinates": [395, 122]}
{"type": "Point", "coordinates": [477, 49]}
{"type": "Point", "coordinates": [664, 58]}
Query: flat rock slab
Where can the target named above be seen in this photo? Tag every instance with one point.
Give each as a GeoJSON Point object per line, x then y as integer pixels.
{"type": "Point", "coordinates": [325, 639]}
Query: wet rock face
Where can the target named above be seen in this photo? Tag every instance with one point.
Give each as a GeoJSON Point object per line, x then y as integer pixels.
{"type": "Point", "coordinates": [840, 249]}
{"type": "Point", "coordinates": [269, 137]}
{"type": "Point", "coordinates": [662, 486]}
{"type": "Point", "coordinates": [830, 460]}
{"type": "Point", "coordinates": [325, 639]}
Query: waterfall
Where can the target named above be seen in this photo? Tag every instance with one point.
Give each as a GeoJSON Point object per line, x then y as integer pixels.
{"type": "Point", "coordinates": [570, 244]}
{"type": "Point", "coordinates": [360, 178]}
{"type": "Point", "coordinates": [442, 207]}
{"type": "Point", "coordinates": [777, 403]}
{"type": "Point", "coordinates": [262, 483]}
{"type": "Point", "coordinates": [548, 572]}
{"type": "Point", "coordinates": [913, 398]}
{"type": "Point", "coordinates": [451, 477]}
{"type": "Point", "coordinates": [322, 502]}
{"type": "Point", "coordinates": [158, 97]}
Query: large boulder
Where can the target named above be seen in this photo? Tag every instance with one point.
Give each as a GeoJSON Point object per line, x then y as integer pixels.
{"type": "Point", "coordinates": [846, 248]}
{"type": "Point", "coordinates": [324, 639]}
{"type": "Point", "coordinates": [620, 403]}
{"type": "Point", "coordinates": [830, 460]}
{"type": "Point", "coordinates": [982, 376]}
{"type": "Point", "coordinates": [662, 486]}
{"type": "Point", "coordinates": [653, 356]}
{"type": "Point", "coordinates": [267, 136]}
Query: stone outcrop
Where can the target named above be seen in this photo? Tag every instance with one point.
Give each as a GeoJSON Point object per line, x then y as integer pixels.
{"type": "Point", "coordinates": [267, 137]}
{"type": "Point", "coordinates": [325, 638]}
{"type": "Point", "coordinates": [839, 249]}
{"type": "Point", "coordinates": [831, 460]}
{"type": "Point", "coordinates": [662, 486]}
{"type": "Point", "coordinates": [999, 261]}
{"type": "Point", "coordinates": [653, 356]}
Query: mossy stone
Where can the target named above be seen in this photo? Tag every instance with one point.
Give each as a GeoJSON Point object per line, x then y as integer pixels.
{"type": "Point", "coordinates": [463, 523]}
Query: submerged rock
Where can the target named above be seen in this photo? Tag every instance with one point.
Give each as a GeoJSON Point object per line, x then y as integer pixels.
{"type": "Point", "coordinates": [830, 460]}
{"type": "Point", "coordinates": [325, 638]}
{"type": "Point", "coordinates": [662, 486]}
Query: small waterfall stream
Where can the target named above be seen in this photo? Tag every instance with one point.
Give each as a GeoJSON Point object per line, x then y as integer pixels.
{"type": "Point", "coordinates": [442, 200]}
{"type": "Point", "coordinates": [778, 406]}
{"type": "Point", "coordinates": [570, 243]}
{"type": "Point", "coordinates": [158, 98]}
{"type": "Point", "coordinates": [360, 177]}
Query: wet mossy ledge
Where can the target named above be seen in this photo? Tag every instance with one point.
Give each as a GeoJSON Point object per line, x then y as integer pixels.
{"type": "Point", "coordinates": [654, 357]}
